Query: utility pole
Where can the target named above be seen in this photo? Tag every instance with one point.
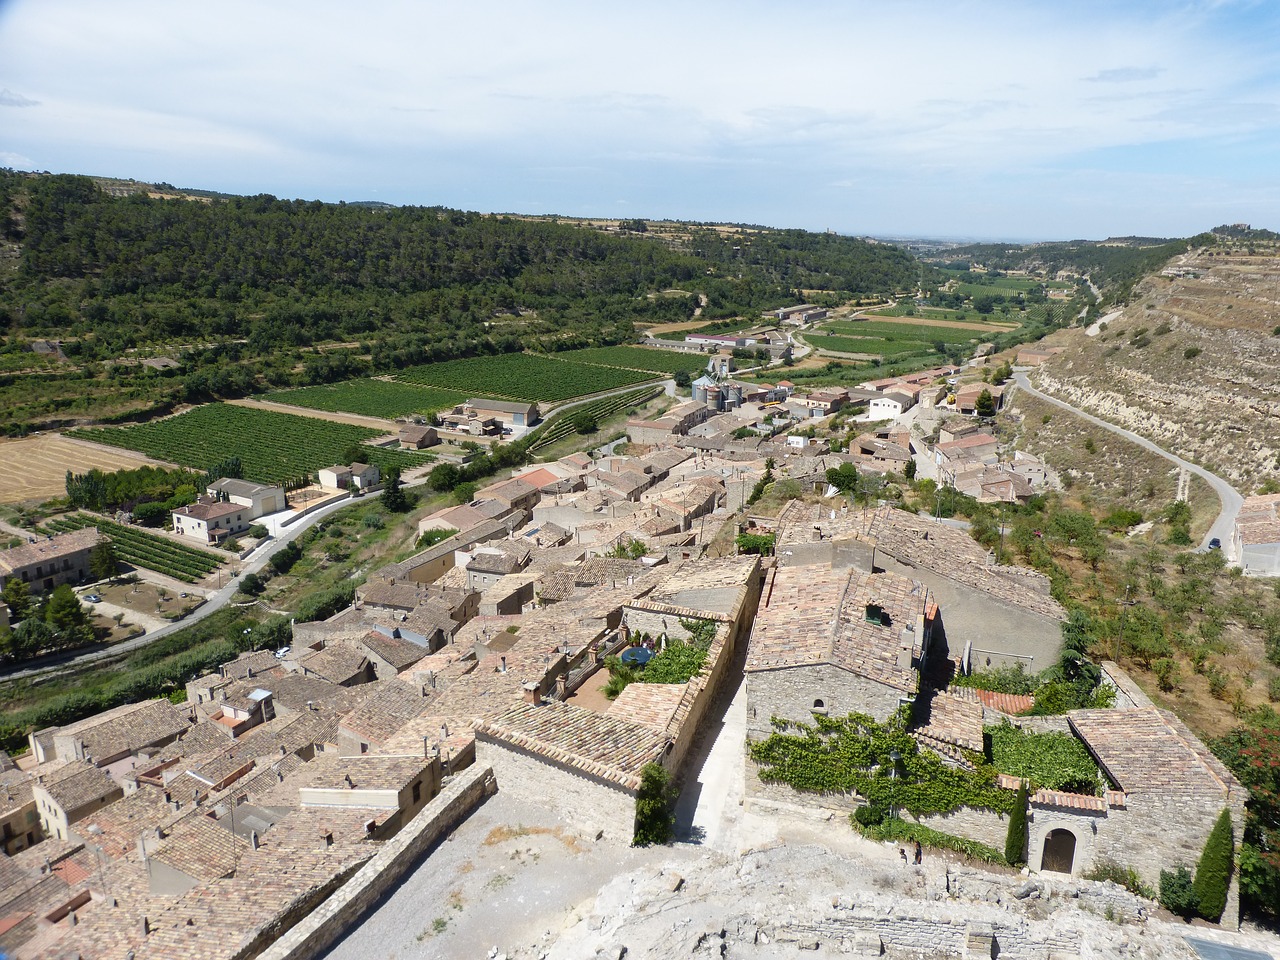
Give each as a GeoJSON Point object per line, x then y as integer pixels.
{"type": "Point", "coordinates": [1125, 604]}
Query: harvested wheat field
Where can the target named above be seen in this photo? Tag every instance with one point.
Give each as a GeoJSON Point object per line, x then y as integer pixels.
{"type": "Point", "coordinates": [35, 468]}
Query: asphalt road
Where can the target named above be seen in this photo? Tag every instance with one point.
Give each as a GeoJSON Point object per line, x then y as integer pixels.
{"type": "Point", "coordinates": [1228, 495]}
{"type": "Point", "coordinates": [214, 602]}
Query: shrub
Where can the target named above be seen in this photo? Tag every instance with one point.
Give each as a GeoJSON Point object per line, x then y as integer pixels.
{"type": "Point", "coordinates": [259, 532]}
{"type": "Point", "coordinates": [1015, 841]}
{"type": "Point", "coordinates": [1125, 877]}
{"type": "Point", "coordinates": [1167, 673]}
{"type": "Point", "coordinates": [870, 815]}
{"type": "Point", "coordinates": [1177, 893]}
{"type": "Point", "coordinates": [1213, 873]}
{"type": "Point", "coordinates": [1190, 353]}
{"type": "Point", "coordinates": [654, 819]}
{"type": "Point", "coordinates": [899, 830]}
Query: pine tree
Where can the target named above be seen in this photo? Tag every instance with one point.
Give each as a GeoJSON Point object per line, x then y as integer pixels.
{"type": "Point", "coordinates": [1213, 872]}
{"type": "Point", "coordinates": [1015, 842]}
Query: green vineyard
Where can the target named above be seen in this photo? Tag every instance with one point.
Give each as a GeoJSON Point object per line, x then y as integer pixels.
{"type": "Point", "coordinates": [272, 447]}
{"type": "Point", "coordinates": [561, 426]}
{"type": "Point", "coordinates": [143, 549]}
{"type": "Point", "coordinates": [522, 376]}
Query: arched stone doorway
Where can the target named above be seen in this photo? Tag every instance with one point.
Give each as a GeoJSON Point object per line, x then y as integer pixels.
{"type": "Point", "coordinates": [1059, 851]}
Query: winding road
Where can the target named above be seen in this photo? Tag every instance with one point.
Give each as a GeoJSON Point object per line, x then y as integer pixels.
{"type": "Point", "coordinates": [1228, 495]}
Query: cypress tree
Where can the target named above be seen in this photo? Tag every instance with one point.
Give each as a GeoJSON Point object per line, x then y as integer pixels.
{"type": "Point", "coordinates": [1213, 872]}
{"type": "Point", "coordinates": [1015, 842]}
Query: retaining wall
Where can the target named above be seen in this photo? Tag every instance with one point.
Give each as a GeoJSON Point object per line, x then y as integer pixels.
{"type": "Point", "coordinates": [324, 925]}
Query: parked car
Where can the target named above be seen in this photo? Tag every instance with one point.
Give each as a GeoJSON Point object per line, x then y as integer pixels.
{"type": "Point", "coordinates": [92, 598]}
{"type": "Point", "coordinates": [1215, 544]}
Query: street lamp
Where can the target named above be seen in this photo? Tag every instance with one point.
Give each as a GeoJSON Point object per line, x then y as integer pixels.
{"type": "Point", "coordinates": [894, 757]}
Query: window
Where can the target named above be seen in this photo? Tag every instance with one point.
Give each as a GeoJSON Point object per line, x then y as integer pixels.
{"type": "Point", "coordinates": [819, 706]}
{"type": "Point", "coordinates": [417, 791]}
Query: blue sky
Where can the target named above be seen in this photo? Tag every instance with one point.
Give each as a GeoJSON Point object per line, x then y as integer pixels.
{"type": "Point", "coordinates": [1017, 120]}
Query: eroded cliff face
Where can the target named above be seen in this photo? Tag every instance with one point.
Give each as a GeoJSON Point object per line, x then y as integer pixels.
{"type": "Point", "coordinates": [1193, 363]}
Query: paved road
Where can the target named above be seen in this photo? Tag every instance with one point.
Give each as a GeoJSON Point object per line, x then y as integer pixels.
{"type": "Point", "coordinates": [1228, 495]}
{"type": "Point", "coordinates": [216, 601]}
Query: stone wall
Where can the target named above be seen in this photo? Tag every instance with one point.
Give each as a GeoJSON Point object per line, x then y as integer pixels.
{"type": "Point", "coordinates": [796, 693]}
{"type": "Point", "coordinates": [1149, 834]}
{"type": "Point", "coordinates": [984, 826]}
{"type": "Point", "coordinates": [582, 801]}
{"type": "Point", "coordinates": [322, 927]}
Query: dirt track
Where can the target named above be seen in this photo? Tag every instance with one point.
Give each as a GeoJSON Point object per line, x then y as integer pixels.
{"type": "Point", "coordinates": [35, 468]}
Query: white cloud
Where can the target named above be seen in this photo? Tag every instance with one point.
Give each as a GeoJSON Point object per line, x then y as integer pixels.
{"type": "Point", "coordinates": [774, 103]}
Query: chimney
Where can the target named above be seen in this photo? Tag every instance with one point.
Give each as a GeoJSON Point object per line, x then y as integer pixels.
{"type": "Point", "coordinates": [503, 668]}
{"type": "Point", "coordinates": [532, 694]}
{"type": "Point", "coordinates": [253, 839]}
{"type": "Point", "coordinates": [326, 838]}
{"type": "Point", "coordinates": [346, 778]}
{"type": "Point", "coordinates": [146, 926]}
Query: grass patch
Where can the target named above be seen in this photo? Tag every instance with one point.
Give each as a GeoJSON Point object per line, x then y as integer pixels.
{"type": "Point", "coordinates": [522, 376]}
{"type": "Point", "coordinates": [371, 398]}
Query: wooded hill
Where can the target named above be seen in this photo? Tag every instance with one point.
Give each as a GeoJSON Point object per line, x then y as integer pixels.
{"type": "Point", "coordinates": [255, 292]}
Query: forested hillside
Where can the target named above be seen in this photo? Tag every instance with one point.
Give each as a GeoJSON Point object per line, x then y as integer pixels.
{"type": "Point", "coordinates": [253, 292]}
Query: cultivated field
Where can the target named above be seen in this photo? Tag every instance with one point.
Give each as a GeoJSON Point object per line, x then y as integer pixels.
{"type": "Point", "coordinates": [35, 468]}
{"type": "Point", "coordinates": [638, 358]}
{"type": "Point", "coordinates": [373, 398]}
{"type": "Point", "coordinates": [522, 376]}
{"type": "Point", "coordinates": [272, 447]}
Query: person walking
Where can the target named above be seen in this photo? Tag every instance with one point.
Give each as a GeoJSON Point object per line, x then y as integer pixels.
{"type": "Point", "coordinates": [903, 854]}
{"type": "Point", "coordinates": [919, 854]}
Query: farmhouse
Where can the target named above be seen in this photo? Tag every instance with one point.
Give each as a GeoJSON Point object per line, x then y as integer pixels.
{"type": "Point", "coordinates": [211, 521]}
{"type": "Point", "coordinates": [418, 436]}
{"type": "Point", "coordinates": [50, 562]}
{"type": "Point", "coordinates": [357, 476]}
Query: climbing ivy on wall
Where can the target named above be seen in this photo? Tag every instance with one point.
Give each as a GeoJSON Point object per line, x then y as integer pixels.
{"type": "Point", "coordinates": [852, 755]}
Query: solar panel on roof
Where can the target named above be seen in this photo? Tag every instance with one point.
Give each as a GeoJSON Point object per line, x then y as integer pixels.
{"type": "Point", "coordinates": [1208, 950]}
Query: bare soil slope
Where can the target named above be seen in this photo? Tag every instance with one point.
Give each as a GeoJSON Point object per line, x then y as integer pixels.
{"type": "Point", "coordinates": [1192, 363]}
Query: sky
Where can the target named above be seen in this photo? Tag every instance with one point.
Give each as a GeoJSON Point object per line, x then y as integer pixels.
{"type": "Point", "coordinates": [1018, 120]}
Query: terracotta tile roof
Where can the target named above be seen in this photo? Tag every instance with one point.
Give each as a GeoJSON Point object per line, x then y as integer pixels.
{"type": "Point", "coordinates": [127, 728]}
{"type": "Point", "coordinates": [43, 550]}
{"type": "Point", "coordinates": [953, 720]}
{"type": "Point", "coordinates": [1152, 751]}
{"type": "Point", "coordinates": [337, 663]}
{"type": "Point", "coordinates": [816, 615]}
{"type": "Point", "coordinates": [202, 849]}
{"type": "Point", "coordinates": [601, 745]}
{"type": "Point", "coordinates": [921, 542]}
{"type": "Point", "coordinates": [117, 827]}
{"type": "Point", "coordinates": [1010, 703]}
{"type": "Point", "coordinates": [389, 706]}
{"type": "Point", "coordinates": [651, 705]}
{"type": "Point", "coordinates": [397, 651]}
{"type": "Point", "coordinates": [258, 661]}
{"type": "Point", "coordinates": [1068, 801]}
{"type": "Point", "coordinates": [76, 784]}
